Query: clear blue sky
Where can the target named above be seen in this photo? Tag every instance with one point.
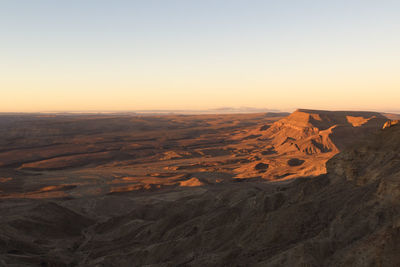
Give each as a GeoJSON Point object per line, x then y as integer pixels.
{"type": "Point", "coordinates": [127, 55]}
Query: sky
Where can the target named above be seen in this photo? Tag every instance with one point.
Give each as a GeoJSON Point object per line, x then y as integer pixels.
{"type": "Point", "coordinates": [98, 55]}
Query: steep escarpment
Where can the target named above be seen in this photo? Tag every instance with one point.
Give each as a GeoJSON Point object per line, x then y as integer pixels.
{"type": "Point", "coordinates": [375, 160]}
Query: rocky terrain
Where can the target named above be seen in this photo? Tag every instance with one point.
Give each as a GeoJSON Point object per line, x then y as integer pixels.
{"type": "Point", "coordinates": [173, 191]}
{"type": "Point", "coordinates": [300, 144]}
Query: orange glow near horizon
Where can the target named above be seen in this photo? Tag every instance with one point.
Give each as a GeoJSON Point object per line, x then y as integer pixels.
{"type": "Point", "coordinates": [364, 93]}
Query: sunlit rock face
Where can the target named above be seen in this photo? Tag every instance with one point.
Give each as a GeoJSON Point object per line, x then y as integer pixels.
{"type": "Point", "coordinates": [390, 123]}
{"type": "Point", "coordinates": [311, 136]}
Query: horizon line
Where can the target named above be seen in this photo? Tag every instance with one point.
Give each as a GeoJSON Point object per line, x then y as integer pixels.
{"type": "Point", "coordinates": [221, 110]}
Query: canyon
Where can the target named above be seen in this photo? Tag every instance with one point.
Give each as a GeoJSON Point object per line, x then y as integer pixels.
{"type": "Point", "coordinates": [310, 188]}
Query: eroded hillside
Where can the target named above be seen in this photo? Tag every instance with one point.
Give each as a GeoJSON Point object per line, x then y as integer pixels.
{"type": "Point", "coordinates": [300, 144]}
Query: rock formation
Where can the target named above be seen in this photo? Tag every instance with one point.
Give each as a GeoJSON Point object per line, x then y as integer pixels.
{"type": "Point", "coordinates": [390, 123]}
{"type": "Point", "coordinates": [311, 136]}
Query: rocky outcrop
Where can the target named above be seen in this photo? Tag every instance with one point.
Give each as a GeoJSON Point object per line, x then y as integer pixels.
{"type": "Point", "coordinates": [313, 136]}
{"type": "Point", "coordinates": [319, 131]}
{"type": "Point", "coordinates": [390, 123]}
